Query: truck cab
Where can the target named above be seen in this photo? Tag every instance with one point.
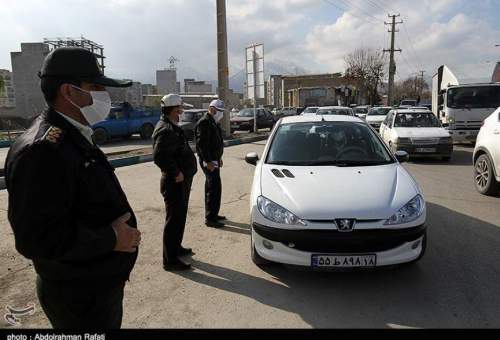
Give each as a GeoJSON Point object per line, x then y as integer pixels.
{"type": "Point", "coordinates": [462, 108]}
{"type": "Point", "coordinates": [123, 121]}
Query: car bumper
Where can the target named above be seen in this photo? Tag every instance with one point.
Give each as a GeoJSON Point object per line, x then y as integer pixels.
{"type": "Point", "coordinates": [239, 127]}
{"type": "Point", "coordinates": [297, 247]}
{"type": "Point", "coordinates": [462, 136]}
{"type": "Point", "coordinates": [417, 150]}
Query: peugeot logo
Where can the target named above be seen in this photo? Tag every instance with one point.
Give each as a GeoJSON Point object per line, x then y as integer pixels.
{"type": "Point", "coordinates": [345, 225]}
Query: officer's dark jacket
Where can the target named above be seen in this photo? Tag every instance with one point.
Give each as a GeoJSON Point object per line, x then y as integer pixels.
{"type": "Point", "coordinates": [171, 150]}
{"type": "Point", "coordinates": [209, 140]}
{"type": "Point", "coordinates": [63, 197]}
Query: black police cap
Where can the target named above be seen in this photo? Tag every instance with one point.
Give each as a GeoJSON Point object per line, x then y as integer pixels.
{"type": "Point", "coordinates": [77, 63]}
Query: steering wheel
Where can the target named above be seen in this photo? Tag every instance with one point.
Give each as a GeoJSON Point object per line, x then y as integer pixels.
{"type": "Point", "coordinates": [352, 148]}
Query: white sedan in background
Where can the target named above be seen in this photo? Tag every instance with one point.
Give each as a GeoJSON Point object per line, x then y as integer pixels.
{"type": "Point", "coordinates": [377, 115]}
{"type": "Point", "coordinates": [328, 193]}
{"type": "Point", "coordinates": [335, 110]}
{"type": "Point", "coordinates": [418, 132]}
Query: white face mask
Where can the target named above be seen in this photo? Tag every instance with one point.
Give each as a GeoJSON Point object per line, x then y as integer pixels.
{"type": "Point", "coordinates": [99, 110]}
{"type": "Point", "coordinates": [218, 116]}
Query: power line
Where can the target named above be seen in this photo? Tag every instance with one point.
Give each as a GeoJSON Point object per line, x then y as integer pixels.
{"type": "Point", "coordinates": [352, 5]}
{"type": "Point", "coordinates": [346, 10]}
{"type": "Point", "coordinates": [417, 59]}
{"type": "Point", "coordinates": [376, 5]}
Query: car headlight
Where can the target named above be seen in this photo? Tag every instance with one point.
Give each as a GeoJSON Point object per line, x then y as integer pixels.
{"type": "Point", "coordinates": [409, 213]}
{"type": "Point", "coordinates": [276, 213]}
{"type": "Point", "coordinates": [445, 140]}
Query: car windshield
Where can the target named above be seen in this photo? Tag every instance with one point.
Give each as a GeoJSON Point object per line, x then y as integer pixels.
{"type": "Point", "coordinates": [478, 97]}
{"type": "Point", "coordinates": [311, 110]}
{"type": "Point", "coordinates": [408, 103]}
{"type": "Point", "coordinates": [379, 111]}
{"type": "Point", "coordinates": [334, 111]}
{"type": "Point", "coordinates": [360, 110]}
{"type": "Point", "coordinates": [327, 143]}
{"type": "Point", "coordinates": [416, 119]}
{"type": "Point", "coordinates": [245, 113]}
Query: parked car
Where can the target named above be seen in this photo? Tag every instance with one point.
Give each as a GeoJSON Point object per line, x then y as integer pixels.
{"type": "Point", "coordinates": [487, 156]}
{"type": "Point", "coordinates": [335, 110]}
{"type": "Point", "coordinates": [377, 115]}
{"type": "Point", "coordinates": [408, 103]}
{"type": "Point", "coordinates": [124, 121]}
{"type": "Point", "coordinates": [328, 192]}
{"type": "Point", "coordinates": [361, 111]}
{"type": "Point", "coordinates": [244, 120]}
{"type": "Point", "coordinates": [311, 110]}
{"type": "Point", "coordinates": [288, 111]}
{"type": "Point", "coordinates": [418, 132]}
{"type": "Point", "coordinates": [188, 121]}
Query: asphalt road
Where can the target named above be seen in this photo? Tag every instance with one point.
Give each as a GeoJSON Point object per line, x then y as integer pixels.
{"type": "Point", "coordinates": [455, 284]}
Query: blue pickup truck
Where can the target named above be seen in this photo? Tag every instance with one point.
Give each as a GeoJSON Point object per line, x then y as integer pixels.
{"type": "Point", "coordinates": [124, 121]}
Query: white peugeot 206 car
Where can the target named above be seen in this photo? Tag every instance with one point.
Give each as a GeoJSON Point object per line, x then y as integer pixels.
{"type": "Point", "coordinates": [328, 192]}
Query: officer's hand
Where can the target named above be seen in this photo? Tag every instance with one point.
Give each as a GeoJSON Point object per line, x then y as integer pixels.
{"type": "Point", "coordinates": [179, 178]}
{"type": "Point", "coordinates": [127, 238]}
{"type": "Point", "coordinates": [221, 163]}
{"type": "Point", "coordinates": [210, 166]}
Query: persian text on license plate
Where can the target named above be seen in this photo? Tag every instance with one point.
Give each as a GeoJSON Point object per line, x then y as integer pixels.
{"type": "Point", "coordinates": [344, 261]}
{"type": "Point", "coordinates": [426, 150]}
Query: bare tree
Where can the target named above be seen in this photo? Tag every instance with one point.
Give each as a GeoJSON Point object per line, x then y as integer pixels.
{"type": "Point", "coordinates": [367, 68]}
{"type": "Point", "coordinates": [412, 88]}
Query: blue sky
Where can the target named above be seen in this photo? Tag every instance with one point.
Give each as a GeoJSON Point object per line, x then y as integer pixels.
{"type": "Point", "coordinates": [140, 35]}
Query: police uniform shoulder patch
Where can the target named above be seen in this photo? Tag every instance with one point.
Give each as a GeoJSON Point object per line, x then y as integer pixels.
{"type": "Point", "coordinates": [53, 135]}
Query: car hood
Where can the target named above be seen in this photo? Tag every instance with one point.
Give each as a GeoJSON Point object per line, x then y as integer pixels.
{"type": "Point", "coordinates": [375, 119]}
{"type": "Point", "coordinates": [241, 119]}
{"type": "Point", "coordinates": [326, 193]}
{"type": "Point", "coordinates": [421, 132]}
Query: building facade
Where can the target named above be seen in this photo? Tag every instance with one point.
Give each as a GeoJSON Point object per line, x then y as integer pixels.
{"type": "Point", "coordinates": [132, 94]}
{"type": "Point", "coordinates": [194, 86]}
{"type": "Point", "coordinates": [25, 67]}
{"type": "Point", "coordinates": [166, 81]}
{"type": "Point", "coordinates": [7, 92]}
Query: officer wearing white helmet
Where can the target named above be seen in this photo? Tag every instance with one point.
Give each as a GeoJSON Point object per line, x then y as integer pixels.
{"type": "Point", "coordinates": [210, 148]}
{"type": "Point", "coordinates": [173, 155]}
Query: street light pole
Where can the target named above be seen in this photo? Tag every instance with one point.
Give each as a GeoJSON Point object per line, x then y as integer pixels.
{"type": "Point", "coordinates": [222, 62]}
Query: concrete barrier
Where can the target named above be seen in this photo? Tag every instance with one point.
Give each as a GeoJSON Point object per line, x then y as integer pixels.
{"type": "Point", "coordinates": [134, 160]}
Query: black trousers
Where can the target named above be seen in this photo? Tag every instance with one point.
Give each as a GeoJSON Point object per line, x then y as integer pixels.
{"type": "Point", "coordinates": [69, 305]}
{"type": "Point", "coordinates": [176, 198]}
{"type": "Point", "coordinates": [213, 193]}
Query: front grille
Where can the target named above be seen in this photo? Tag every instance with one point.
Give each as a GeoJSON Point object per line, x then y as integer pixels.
{"type": "Point", "coordinates": [425, 141]}
{"type": "Point", "coordinates": [333, 241]}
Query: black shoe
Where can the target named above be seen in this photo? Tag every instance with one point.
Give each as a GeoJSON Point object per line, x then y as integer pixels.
{"type": "Point", "coordinates": [176, 264]}
{"type": "Point", "coordinates": [214, 224]}
{"type": "Point", "coordinates": [185, 251]}
{"type": "Point", "coordinates": [220, 218]}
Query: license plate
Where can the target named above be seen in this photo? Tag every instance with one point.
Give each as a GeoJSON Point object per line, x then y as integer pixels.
{"type": "Point", "coordinates": [343, 261]}
{"type": "Point", "coordinates": [429, 150]}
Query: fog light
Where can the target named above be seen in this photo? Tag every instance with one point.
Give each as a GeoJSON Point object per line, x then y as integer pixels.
{"type": "Point", "coordinates": [267, 244]}
{"type": "Point", "coordinates": [291, 245]}
{"type": "Point", "coordinates": [415, 245]}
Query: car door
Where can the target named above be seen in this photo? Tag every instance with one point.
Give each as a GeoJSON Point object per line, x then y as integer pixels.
{"type": "Point", "coordinates": [384, 125]}
{"type": "Point", "coordinates": [495, 143]}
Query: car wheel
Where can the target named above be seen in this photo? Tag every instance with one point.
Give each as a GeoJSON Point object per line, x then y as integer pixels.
{"type": "Point", "coordinates": [100, 136]}
{"type": "Point", "coordinates": [484, 177]}
{"type": "Point", "coordinates": [256, 258]}
{"type": "Point", "coordinates": [147, 131]}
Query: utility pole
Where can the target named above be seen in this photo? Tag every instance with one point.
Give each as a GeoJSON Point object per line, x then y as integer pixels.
{"type": "Point", "coordinates": [422, 82]}
{"type": "Point", "coordinates": [222, 62]}
{"type": "Point", "coordinates": [392, 64]}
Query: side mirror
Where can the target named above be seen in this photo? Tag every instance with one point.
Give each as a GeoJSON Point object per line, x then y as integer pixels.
{"type": "Point", "coordinates": [402, 156]}
{"type": "Point", "coordinates": [252, 158]}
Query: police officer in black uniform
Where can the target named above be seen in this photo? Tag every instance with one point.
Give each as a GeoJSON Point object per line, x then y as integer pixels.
{"type": "Point", "coordinates": [67, 209]}
{"type": "Point", "coordinates": [173, 155]}
{"type": "Point", "coordinates": [210, 148]}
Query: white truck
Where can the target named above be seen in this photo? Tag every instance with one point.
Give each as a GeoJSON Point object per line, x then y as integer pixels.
{"type": "Point", "coordinates": [462, 108]}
